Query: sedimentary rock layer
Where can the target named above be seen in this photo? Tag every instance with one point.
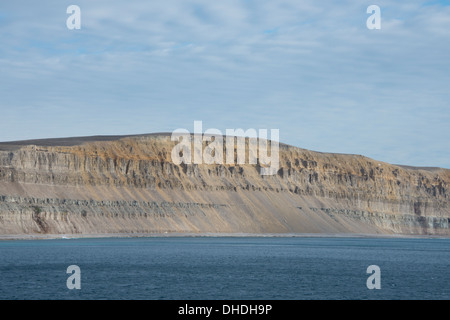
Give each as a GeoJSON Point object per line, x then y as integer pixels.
{"type": "Point", "coordinates": [131, 185]}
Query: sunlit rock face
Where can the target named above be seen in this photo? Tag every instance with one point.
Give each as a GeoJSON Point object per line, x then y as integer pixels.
{"type": "Point", "coordinates": [129, 184]}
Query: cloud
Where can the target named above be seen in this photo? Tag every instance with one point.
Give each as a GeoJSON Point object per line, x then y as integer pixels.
{"type": "Point", "coordinates": [313, 71]}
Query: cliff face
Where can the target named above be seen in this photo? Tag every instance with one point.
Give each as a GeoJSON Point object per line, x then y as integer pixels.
{"type": "Point", "coordinates": [130, 184]}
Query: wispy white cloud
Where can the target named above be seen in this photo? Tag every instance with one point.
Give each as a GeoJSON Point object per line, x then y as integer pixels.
{"type": "Point", "coordinates": [312, 70]}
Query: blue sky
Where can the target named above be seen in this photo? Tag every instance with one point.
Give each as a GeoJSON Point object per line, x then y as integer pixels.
{"type": "Point", "coordinates": [310, 69]}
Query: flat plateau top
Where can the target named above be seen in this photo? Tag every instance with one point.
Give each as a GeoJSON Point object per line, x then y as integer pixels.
{"type": "Point", "coordinates": [70, 141]}
{"type": "Point", "coordinates": [74, 141]}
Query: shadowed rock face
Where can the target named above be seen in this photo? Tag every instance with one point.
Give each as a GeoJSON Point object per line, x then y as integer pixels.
{"type": "Point", "coordinates": [129, 184]}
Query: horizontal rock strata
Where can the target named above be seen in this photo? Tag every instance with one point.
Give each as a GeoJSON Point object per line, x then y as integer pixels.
{"type": "Point", "coordinates": [131, 185]}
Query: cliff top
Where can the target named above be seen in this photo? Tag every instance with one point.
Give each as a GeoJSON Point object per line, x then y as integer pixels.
{"type": "Point", "coordinates": [69, 141]}
{"type": "Point", "coordinates": [78, 141]}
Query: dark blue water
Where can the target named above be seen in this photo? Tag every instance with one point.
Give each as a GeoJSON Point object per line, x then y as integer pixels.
{"type": "Point", "coordinates": [225, 268]}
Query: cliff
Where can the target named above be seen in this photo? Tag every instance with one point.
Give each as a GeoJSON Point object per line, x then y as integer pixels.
{"type": "Point", "coordinates": [130, 184]}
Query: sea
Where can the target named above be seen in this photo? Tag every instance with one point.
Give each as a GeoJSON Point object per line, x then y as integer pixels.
{"type": "Point", "coordinates": [226, 268]}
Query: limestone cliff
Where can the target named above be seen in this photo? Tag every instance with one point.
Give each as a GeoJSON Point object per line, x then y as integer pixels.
{"type": "Point", "coordinates": [129, 184]}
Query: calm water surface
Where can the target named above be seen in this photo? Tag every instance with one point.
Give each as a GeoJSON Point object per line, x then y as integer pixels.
{"type": "Point", "coordinates": [225, 268]}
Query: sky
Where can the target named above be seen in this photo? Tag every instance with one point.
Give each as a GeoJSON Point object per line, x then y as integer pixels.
{"type": "Point", "coordinates": [311, 69]}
